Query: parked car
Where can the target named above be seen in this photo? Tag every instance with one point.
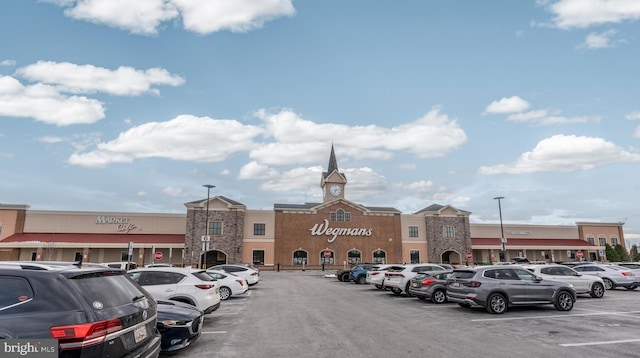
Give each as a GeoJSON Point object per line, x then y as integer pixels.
{"type": "Point", "coordinates": [498, 287]}
{"type": "Point", "coordinates": [230, 285]}
{"type": "Point", "coordinates": [358, 273]}
{"type": "Point", "coordinates": [613, 275]}
{"type": "Point", "coordinates": [375, 275]}
{"type": "Point", "coordinates": [249, 272]}
{"type": "Point", "coordinates": [183, 284]}
{"type": "Point", "coordinates": [90, 309]}
{"type": "Point", "coordinates": [398, 278]}
{"type": "Point", "coordinates": [430, 286]}
{"type": "Point", "coordinates": [630, 265]}
{"type": "Point", "coordinates": [180, 324]}
{"type": "Point", "coordinates": [592, 285]}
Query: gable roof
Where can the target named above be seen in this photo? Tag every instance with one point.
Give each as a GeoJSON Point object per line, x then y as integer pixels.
{"type": "Point", "coordinates": [439, 209]}
{"type": "Point", "coordinates": [318, 206]}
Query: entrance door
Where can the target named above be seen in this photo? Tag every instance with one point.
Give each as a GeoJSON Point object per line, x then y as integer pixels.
{"type": "Point", "coordinates": [213, 258]}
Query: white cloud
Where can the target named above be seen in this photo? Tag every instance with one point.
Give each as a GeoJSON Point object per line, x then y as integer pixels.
{"type": "Point", "coordinates": [174, 192]}
{"type": "Point", "coordinates": [564, 153]}
{"type": "Point", "coordinates": [633, 116]}
{"type": "Point", "coordinates": [585, 13]}
{"type": "Point", "coordinates": [44, 103]}
{"type": "Point", "coordinates": [507, 105]}
{"type": "Point", "coordinates": [255, 170]}
{"type": "Point", "coordinates": [124, 81]}
{"type": "Point", "coordinates": [433, 135]}
{"type": "Point", "coordinates": [50, 139]}
{"type": "Point", "coordinates": [142, 194]}
{"type": "Point", "coordinates": [185, 137]}
{"type": "Point", "coordinates": [543, 118]}
{"type": "Point", "coordinates": [596, 40]}
{"type": "Point", "coordinates": [145, 17]}
{"type": "Point", "coordinates": [205, 17]}
{"type": "Point", "coordinates": [7, 63]}
{"type": "Point", "coordinates": [419, 186]}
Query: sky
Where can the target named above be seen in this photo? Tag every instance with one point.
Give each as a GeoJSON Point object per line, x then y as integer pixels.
{"type": "Point", "coordinates": [133, 106]}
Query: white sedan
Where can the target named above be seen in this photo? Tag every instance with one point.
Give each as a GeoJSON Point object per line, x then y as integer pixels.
{"type": "Point", "coordinates": [230, 285]}
{"type": "Point", "coordinates": [252, 274]}
{"type": "Point", "coordinates": [592, 285]}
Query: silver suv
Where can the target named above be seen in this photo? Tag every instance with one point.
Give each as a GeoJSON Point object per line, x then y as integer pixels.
{"type": "Point", "coordinates": [499, 287]}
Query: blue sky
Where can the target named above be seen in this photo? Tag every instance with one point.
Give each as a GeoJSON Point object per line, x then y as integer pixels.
{"type": "Point", "coordinates": [133, 105]}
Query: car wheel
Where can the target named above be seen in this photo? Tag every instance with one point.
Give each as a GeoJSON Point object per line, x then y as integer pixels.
{"type": "Point", "coordinates": [564, 301]}
{"type": "Point", "coordinates": [396, 291]}
{"type": "Point", "coordinates": [406, 290]}
{"type": "Point", "coordinates": [345, 277]}
{"type": "Point", "coordinates": [497, 303]}
{"type": "Point", "coordinates": [439, 297]}
{"type": "Point", "coordinates": [362, 280]}
{"type": "Point", "coordinates": [597, 290]}
{"type": "Point", "coordinates": [379, 287]}
{"type": "Point", "coordinates": [608, 284]}
{"type": "Point", "coordinates": [225, 293]}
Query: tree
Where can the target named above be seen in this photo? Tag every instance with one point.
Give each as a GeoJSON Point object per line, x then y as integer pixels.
{"type": "Point", "coordinates": [622, 253]}
{"type": "Point", "coordinates": [635, 255]}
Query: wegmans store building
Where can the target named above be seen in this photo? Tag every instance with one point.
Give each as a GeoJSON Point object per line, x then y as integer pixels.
{"type": "Point", "coordinates": [333, 233]}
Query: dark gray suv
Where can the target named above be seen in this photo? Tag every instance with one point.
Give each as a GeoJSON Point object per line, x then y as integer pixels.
{"type": "Point", "coordinates": [499, 287]}
{"type": "Point", "coordinates": [91, 310]}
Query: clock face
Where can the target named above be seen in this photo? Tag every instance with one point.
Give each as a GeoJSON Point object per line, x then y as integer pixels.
{"type": "Point", "coordinates": [335, 190]}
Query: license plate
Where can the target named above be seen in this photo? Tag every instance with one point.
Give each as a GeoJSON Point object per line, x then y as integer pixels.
{"type": "Point", "coordinates": [140, 333]}
{"type": "Point", "coordinates": [415, 284]}
{"type": "Point", "coordinates": [455, 284]}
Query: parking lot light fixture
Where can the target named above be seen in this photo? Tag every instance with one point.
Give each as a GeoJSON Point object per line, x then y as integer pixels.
{"type": "Point", "coordinates": [503, 240]}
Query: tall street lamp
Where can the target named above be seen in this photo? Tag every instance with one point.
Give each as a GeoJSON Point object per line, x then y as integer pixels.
{"type": "Point", "coordinates": [205, 244]}
{"type": "Point", "coordinates": [503, 240]}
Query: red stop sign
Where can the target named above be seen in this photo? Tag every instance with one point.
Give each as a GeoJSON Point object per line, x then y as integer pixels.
{"type": "Point", "coordinates": [468, 254]}
{"type": "Point", "coordinates": [158, 255]}
{"type": "Point", "coordinates": [579, 253]}
{"type": "Point", "coordinates": [327, 254]}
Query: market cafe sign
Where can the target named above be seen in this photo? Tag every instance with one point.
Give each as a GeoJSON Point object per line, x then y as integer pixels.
{"type": "Point", "coordinates": [123, 224]}
{"type": "Point", "coordinates": [324, 229]}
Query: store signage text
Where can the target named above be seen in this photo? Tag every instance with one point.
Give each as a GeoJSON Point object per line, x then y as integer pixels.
{"type": "Point", "coordinates": [123, 223]}
{"type": "Point", "coordinates": [519, 232]}
{"type": "Point", "coordinates": [324, 229]}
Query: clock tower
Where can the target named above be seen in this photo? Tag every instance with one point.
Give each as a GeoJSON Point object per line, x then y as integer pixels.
{"type": "Point", "coordinates": [333, 181]}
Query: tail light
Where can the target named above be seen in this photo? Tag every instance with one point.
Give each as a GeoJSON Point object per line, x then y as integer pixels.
{"type": "Point", "coordinates": [241, 282]}
{"type": "Point", "coordinates": [428, 281]}
{"type": "Point", "coordinates": [84, 335]}
{"type": "Point", "coordinates": [471, 284]}
{"type": "Point", "coordinates": [206, 287]}
{"type": "Point", "coordinates": [374, 273]}
{"type": "Point", "coordinates": [627, 273]}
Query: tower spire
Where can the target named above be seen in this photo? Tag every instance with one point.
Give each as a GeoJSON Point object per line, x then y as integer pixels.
{"type": "Point", "coordinates": [333, 163]}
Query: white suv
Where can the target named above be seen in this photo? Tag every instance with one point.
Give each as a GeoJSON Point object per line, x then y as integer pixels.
{"type": "Point", "coordinates": [593, 285]}
{"type": "Point", "coordinates": [188, 285]}
{"type": "Point", "coordinates": [398, 277]}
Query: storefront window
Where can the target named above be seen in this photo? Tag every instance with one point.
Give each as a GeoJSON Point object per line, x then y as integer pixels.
{"type": "Point", "coordinates": [300, 257]}
{"type": "Point", "coordinates": [379, 257]}
{"type": "Point", "coordinates": [413, 231]}
{"type": "Point", "coordinates": [215, 228]}
{"type": "Point", "coordinates": [602, 241]}
{"type": "Point", "coordinates": [258, 257]}
{"type": "Point", "coordinates": [259, 229]}
{"type": "Point", "coordinates": [591, 240]}
{"type": "Point", "coordinates": [449, 232]}
{"type": "Point", "coordinates": [614, 241]}
{"type": "Point", "coordinates": [354, 256]}
{"type": "Point", "coordinates": [327, 259]}
{"type": "Point", "coordinates": [415, 256]}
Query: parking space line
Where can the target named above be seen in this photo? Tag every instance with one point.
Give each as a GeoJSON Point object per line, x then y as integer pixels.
{"type": "Point", "coordinates": [214, 332]}
{"type": "Point", "coordinates": [599, 343]}
{"type": "Point", "coordinates": [554, 316]}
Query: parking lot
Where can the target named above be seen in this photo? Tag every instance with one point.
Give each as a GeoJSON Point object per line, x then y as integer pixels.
{"type": "Point", "coordinates": [304, 314]}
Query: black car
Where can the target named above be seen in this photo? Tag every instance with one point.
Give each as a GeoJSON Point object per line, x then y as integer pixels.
{"type": "Point", "coordinates": [90, 309]}
{"type": "Point", "coordinates": [179, 323]}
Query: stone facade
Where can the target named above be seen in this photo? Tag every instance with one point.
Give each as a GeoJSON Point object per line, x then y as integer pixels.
{"type": "Point", "coordinates": [444, 249]}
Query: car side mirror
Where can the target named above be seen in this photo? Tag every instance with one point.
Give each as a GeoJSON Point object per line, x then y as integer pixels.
{"type": "Point", "coordinates": [577, 274]}
{"type": "Point", "coordinates": [537, 279]}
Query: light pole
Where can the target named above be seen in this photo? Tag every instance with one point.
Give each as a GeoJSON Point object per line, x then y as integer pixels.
{"type": "Point", "coordinates": [205, 244]}
{"type": "Point", "coordinates": [503, 240]}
